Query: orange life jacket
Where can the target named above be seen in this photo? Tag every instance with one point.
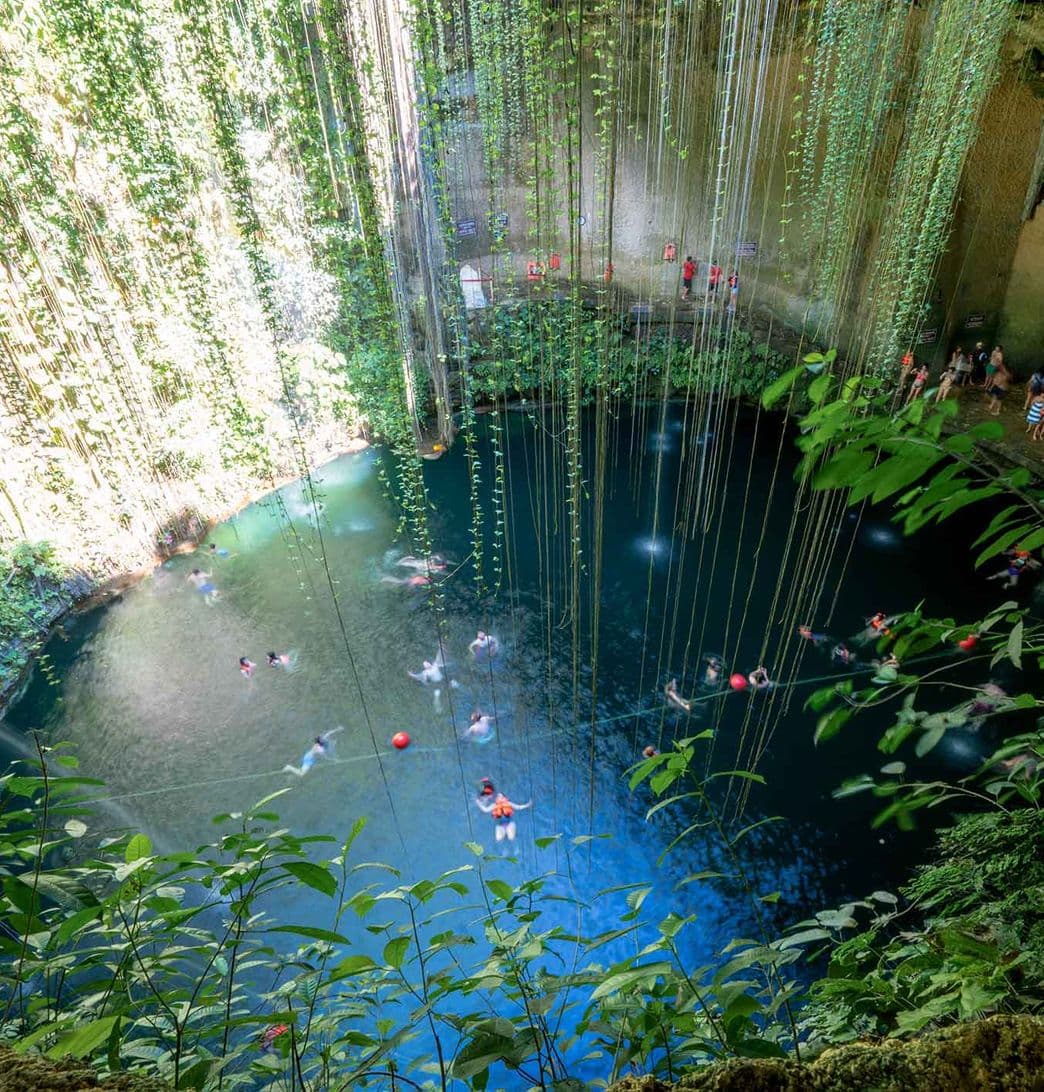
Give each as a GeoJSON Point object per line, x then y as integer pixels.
{"type": "Point", "coordinates": [502, 807]}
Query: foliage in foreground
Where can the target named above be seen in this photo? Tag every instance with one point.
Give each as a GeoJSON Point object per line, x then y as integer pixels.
{"type": "Point", "coordinates": [174, 964]}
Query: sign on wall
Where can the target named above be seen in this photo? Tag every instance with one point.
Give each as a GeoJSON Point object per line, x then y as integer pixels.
{"type": "Point", "coordinates": [466, 227]}
{"type": "Point", "coordinates": [747, 250]}
{"type": "Point", "coordinates": [927, 337]}
{"type": "Point", "coordinates": [975, 322]}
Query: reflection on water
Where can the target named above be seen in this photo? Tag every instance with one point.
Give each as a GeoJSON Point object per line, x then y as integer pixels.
{"type": "Point", "coordinates": [152, 695]}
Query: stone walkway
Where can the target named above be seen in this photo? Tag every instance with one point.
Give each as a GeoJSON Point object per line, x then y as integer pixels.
{"type": "Point", "coordinates": [1016, 445]}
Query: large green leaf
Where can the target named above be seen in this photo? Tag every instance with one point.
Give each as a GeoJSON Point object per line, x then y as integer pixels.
{"type": "Point", "coordinates": [83, 1040]}
{"type": "Point", "coordinates": [315, 876]}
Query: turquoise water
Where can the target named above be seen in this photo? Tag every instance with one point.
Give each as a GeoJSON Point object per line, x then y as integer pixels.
{"type": "Point", "coordinates": [149, 689]}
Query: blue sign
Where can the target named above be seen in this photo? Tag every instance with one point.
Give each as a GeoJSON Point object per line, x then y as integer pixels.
{"type": "Point", "coordinates": [641, 310]}
{"type": "Point", "coordinates": [467, 227]}
{"type": "Point", "coordinates": [499, 220]}
{"type": "Point", "coordinates": [746, 250]}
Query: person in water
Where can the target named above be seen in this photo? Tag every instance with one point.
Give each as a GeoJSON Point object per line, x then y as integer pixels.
{"type": "Point", "coordinates": [484, 645]}
{"type": "Point", "coordinates": [486, 789]}
{"type": "Point", "coordinates": [434, 564]}
{"type": "Point", "coordinates": [217, 551]}
{"type": "Point", "coordinates": [246, 667]}
{"type": "Point", "coordinates": [759, 679]}
{"type": "Point", "coordinates": [418, 580]}
{"type": "Point", "coordinates": [713, 671]}
{"type": "Point", "coordinates": [201, 582]}
{"type": "Point", "coordinates": [503, 812]}
{"type": "Point", "coordinates": [805, 632]}
{"type": "Point", "coordinates": [675, 699]}
{"type": "Point", "coordinates": [278, 659]}
{"type": "Point", "coordinates": [649, 751]}
{"type": "Point", "coordinates": [842, 654]}
{"type": "Point", "coordinates": [319, 749]}
{"type": "Point", "coordinates": [878, 626]}
{"type": "Point", "coordinates": [481, 728]}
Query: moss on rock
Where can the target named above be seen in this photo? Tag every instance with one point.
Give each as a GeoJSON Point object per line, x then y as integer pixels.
{"type": "Point", "coordinates": [34, 1073]}
{"type": "Point", "coordinates": [1004, 1053]}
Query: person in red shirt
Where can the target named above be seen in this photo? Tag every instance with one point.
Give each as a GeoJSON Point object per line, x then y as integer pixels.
{"type": "Point", "coordinates": [714, 279]}
{"type": "Point", "coordinates": [688, 272]}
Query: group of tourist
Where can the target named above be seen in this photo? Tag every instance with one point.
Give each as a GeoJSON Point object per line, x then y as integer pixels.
{"type": "Point", "coordinates": [714, 277]}
{"type": "Point", "coordinates": [979, 368]}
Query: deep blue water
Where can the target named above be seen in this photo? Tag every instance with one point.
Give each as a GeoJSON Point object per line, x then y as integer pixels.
{"type": "Point", "coordinates": [149, 689]}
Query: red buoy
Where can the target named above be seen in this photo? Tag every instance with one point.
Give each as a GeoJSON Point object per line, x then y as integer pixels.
{"type": "Point", "coordinates": [400, 741]}
{"type": "Point", "coordinates": [738, 681]}
{"type": "Point", "coordinates": [670, 253]}
{"type": "Point", "coordinates": [969, 642]}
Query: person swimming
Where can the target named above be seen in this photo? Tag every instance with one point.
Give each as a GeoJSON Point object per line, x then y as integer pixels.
{"type": "Point", "coordinates": [415, 581]}
{"type": "Point", "coordinates": [485, 645]}
{"type": "Point", "coordinates": [806, 633]}
{"type": "Point", "coordinates": [278, 659]}
{"type": "Point", "coordinates": [675, 699]}
{"type": "Point", "coordinates": [430, 672]}
{"type": "Point", "coordinates": [201, 582]}
{"type": "Point", "coordinates": [713, 671]}
{"type": "Point", "coordinates": [486, 789]}
{"type": "Point", "coordinates": [503, 812]}
{"type": "Point", "coordinates": [878, 626]}
{"type": "Point", "coordinates": [319, 749]}
{"type": "Point", "coordinates": [842, 654]}
{"type": "Point", "coordinates": [434, 564]}
{"type": "Point", "coordinates": [246, 667]}
{"type": "Point", "coordinates": [481, 728]}
{"type": "Point", "coordinates": [217, 551]}
{"type": "Point", "coordinates": [759, 679]}
{"type": "Point", "coordinates": [649, 751]}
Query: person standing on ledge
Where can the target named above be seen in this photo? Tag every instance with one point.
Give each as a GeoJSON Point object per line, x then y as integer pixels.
{"type": "Point", "coordinates": [998, 385]}
{"type": "Point", "coordinates": [688, 272]}
{"type": "Point", "coordinates": [713, 279]}
{"type": "Point", "coordinates": [733, 291]}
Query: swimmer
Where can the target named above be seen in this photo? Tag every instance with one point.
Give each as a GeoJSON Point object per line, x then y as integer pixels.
{"type": "Point", "coordinates": [486, 790]}
{"type": "Point", "coordinates": [217, 551]}
{"type": "Point", "coordinates": [319, 749]}
{"type": "Point", "coordinates": [430, 672]}
{"type": "Point", "coordinates": [246, 667]}
{"type": "Point", "coordinates": [991, 698]}
{"type": "Point", "coordinates": [675, 699]}
{"type": "Point", "coordinates": [270, 1035]}
{"type": "Point", "coordinates": [481, 728]}
{"type": "Point", "coordinates": [842, 654]}
{"type": "Point", "coordinates": [649, 751]}
{"type": "Point", "coordinates": [878, 625]}
{"type": "Point", "coordinates": [503, 812]}
{"type": "Point", "coordinates": [201, 582]}
{"type": "Point", "coordinates": [436, 563]}
{"type": "Point", "coordinates": [713, 670]}
{"type": "Point", "coordinates": [484, 643]}
{"type": "Point", "coordinates": [806, 633]}
{"type": "Point", "coordinates": [1018, 564]}
{"type": "Point", "coordinates": [415, 581]}
{"type": "Point", "coordinates": [759, 679]}
{"type": "Point", "coordinates": [278, 659]}
{"type": "Point", "coordinates": [1026, 764]}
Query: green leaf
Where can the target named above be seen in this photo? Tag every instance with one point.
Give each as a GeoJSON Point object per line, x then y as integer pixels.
{"type": "Point", "coordinates": [137, 848]}
{"type": "Point", "coordinates": [622, 979]}
{"type": "Point", "coordinates": [353, 964]}
{"type": "Point", "coordinates": [1015, 643]}
{"type": "Point", "coordinates": [312, 931]}
{"type": "Point", "coordinates": [84, 1039]}
{"type": "Point", "coordinates": [395, 951]}
{"type": "Point", "coordinates": [775, 391]}
{"type": "Point", "coordinates": [315, 876]}
{"type": "Point", "coordinates": [806, 936]}
{"type": "Point", "coordinates": [501, 890]}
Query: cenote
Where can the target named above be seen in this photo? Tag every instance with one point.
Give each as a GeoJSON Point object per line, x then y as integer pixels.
{"type": "Point", "coordinates": [149, 691]}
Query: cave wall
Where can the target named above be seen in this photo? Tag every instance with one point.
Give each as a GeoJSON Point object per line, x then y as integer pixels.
{"type": "Point", "coordinates": [987, 280]}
